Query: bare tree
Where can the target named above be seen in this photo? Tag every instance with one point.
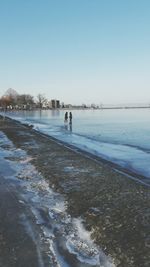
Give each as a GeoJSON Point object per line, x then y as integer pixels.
{"type": "Point", "coordinates": [11, 99]}
{"type": "Point", "coordinates": [25, 100]}
{"type": "Point", "coordinates": [41, 100]}
{"type": "Point", "coordinates": [5, 102]}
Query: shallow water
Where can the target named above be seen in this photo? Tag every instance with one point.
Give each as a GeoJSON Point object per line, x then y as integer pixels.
{"type": "Point", "coordinates": [121, 136]}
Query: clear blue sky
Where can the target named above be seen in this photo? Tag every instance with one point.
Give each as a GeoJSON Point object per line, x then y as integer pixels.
{"type": "Point", "coordinates": [79, 51]}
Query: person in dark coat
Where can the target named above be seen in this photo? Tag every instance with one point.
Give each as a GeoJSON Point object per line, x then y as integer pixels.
{"type": "Point", "coordinates": [70, 118]}
{"type": "Point", "coordinates": [66, 117]}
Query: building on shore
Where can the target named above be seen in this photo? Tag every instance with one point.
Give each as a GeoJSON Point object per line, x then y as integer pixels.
{"type": "Point", "coordinates": [54, 104]}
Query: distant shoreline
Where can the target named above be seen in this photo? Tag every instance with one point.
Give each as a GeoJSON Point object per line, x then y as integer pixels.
{"type": "Point", "coordinates": [77, 108]}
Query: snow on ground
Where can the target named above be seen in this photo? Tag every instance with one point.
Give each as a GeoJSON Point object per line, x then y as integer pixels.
{"type": "Point", "coordinates": [69, 243]}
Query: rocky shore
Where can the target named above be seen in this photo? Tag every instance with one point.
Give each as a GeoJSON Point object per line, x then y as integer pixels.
{"type": "Point", "coordinates": [115, 208]}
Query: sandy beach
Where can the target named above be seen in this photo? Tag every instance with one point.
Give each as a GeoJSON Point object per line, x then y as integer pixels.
{"type": "Point", "coordinates": [113, 208]}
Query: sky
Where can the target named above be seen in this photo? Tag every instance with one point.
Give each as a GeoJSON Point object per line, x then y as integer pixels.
{"type": "Point", "coordinates": [77, 51]}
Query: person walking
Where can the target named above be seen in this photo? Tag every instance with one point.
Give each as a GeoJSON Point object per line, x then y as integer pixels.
{"type": "Point", "coordinates": [70, 117]}
{"type": "Point", "coordinates": [66, 117]}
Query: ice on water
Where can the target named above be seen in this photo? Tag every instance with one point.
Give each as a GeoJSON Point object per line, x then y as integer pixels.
{"type": "Point", "coordinates": [120, 136]}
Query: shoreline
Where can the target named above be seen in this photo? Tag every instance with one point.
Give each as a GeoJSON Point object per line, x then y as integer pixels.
{"type": "Point", "coordinates": [131, 168]}
{"type": "Point", "coordinates": [114, 207]}
{"type": "Point", "coordinates": [124, 171]}
{"type": "Point", "coordinates": [78, 108]}
{"type": "Point", "coordinates": [139, 178]}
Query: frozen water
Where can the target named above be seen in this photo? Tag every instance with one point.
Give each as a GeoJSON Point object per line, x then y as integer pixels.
{"type": "Point", "coordinates": [120, 136]}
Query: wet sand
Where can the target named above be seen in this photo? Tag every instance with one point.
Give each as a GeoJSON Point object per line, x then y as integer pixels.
{"type": "Point", "coordinates": [114, 207]}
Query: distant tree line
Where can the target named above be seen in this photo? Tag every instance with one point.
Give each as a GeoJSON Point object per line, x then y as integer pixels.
{"type": "Point", "coordinates": [12, 100]}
